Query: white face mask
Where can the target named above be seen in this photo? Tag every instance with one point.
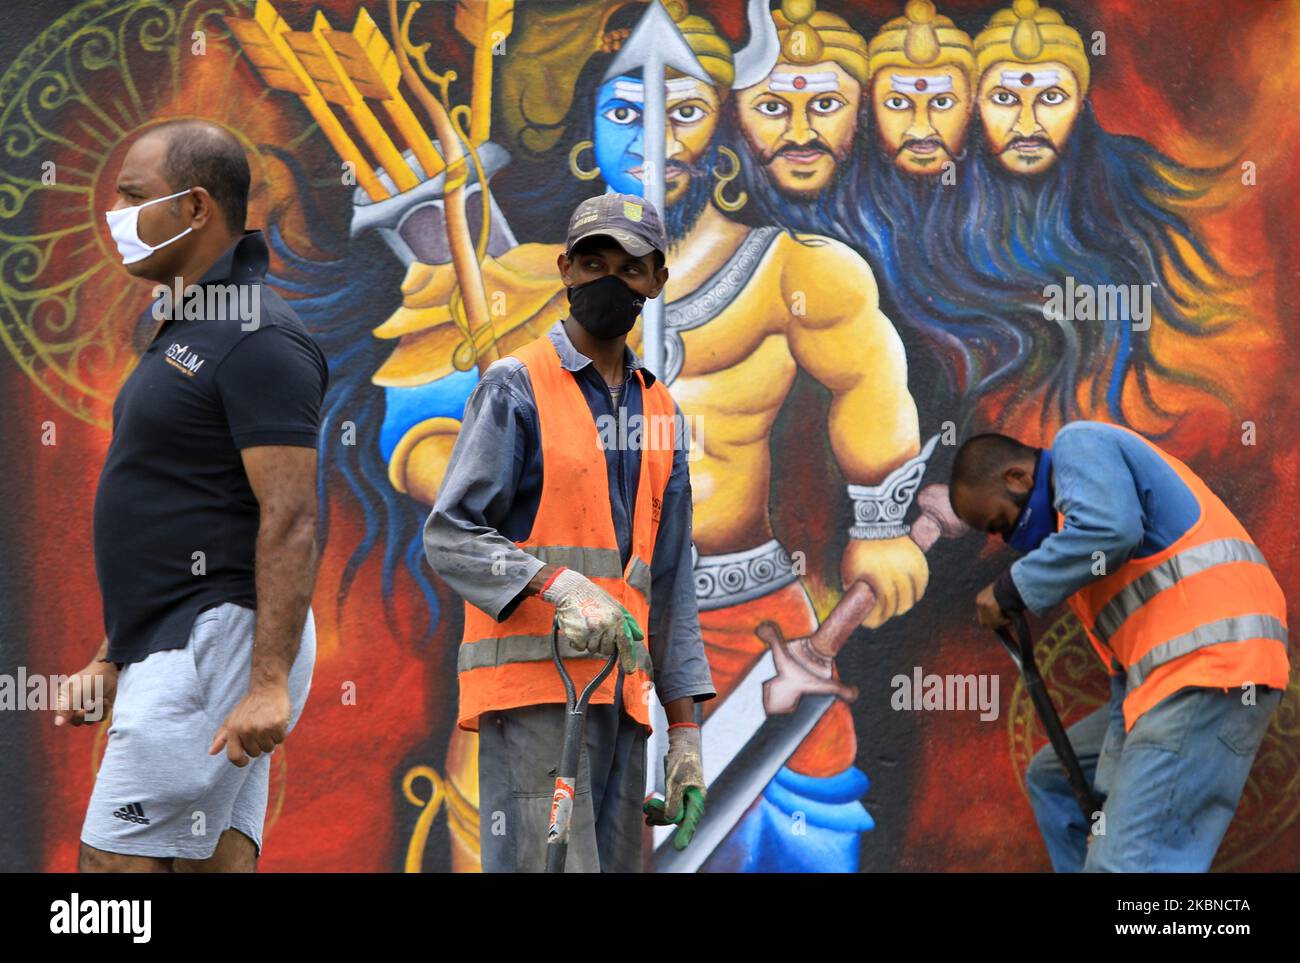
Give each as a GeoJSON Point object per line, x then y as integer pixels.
{"type": "Point", "coordinates": [124, 225]}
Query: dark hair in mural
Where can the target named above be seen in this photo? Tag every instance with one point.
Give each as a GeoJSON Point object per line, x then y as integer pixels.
{"type": "Point", "coordinates": [680, 217]}
{"type": "Point", "coordinates": [335, 298]}
{"type": "Point", "coordinates": [1104, 214]}
{"type": "Point", "coordinates": [539, 182]}
{"type": "Point", "coordinates": [913, 231]}
{"type": "Point", "coordinates": [203, 154]}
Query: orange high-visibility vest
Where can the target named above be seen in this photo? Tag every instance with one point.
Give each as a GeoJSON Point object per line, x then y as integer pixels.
{"type": "Point", "coordinates": [508, 664]}
{"type": "Point", "coordinates": [1205, 611]}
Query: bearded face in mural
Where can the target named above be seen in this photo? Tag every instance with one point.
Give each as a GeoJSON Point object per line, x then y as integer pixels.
{"type": "Point", "coordinates": [921, 97]}
{"type": "Point", "coordinates": [602, 131]}
{"type": "Point", "coordinates": [1028, 115]}
{"type": "Point", "coordinates": [692, 109]}
{"type": "Point", "coordinates": [692, 117]}
{"type": "Point", "coordinates": [799, 123]}
{"type": "Point", "coordinates": [921, 117]}
{"type": "Point", "coordinates": [1033, 77]}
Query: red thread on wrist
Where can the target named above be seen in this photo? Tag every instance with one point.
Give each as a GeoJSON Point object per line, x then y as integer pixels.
{"type": "Point", "coordinates": [689, 725]}
{"type": "Point", "coordinates": [547, 583]}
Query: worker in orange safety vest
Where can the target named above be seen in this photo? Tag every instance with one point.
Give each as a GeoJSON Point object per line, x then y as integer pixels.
{"type": "Point", "coordinates": [567, 501]}
{"type": "Point", "coordinates": [1180, 605]}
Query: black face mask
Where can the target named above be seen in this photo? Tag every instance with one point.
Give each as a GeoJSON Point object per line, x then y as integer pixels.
{"type": "Point", "coordinates": [606, 307]}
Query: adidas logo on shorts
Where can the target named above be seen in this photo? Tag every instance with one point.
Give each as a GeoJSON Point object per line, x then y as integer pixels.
{"type": "Point", "coordinates": [134, 813]}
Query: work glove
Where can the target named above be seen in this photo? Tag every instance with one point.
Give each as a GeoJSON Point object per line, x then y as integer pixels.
{"type": "Point", "coordinates": [683, 784]}
{"type": "Point", "coordinates": [593, 620]}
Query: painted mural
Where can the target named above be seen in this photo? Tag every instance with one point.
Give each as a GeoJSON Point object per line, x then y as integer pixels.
{"type": "Point", "coordinates": [892, 225]}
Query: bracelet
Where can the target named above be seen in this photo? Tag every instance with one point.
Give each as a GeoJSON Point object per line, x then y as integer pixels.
{"type": "Point", "coordinates": [879, 510]}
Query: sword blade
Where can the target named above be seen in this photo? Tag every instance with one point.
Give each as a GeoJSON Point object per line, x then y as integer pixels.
{"type": "Point", "coordinates": [742, 782]}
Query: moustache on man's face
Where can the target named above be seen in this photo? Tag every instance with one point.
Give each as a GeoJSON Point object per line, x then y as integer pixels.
{"type": "Point", "coordinates": [1021, 141]}
{"type": "Point", "coordinates": [816, 145]}
{"type": "Point", "coordinates": [925, 145]}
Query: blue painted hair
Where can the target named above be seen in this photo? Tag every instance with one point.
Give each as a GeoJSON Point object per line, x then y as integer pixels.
{"type": "Point", "coordinates": [965, 265]}
{"type": "Point", "coordinates": [1106, 213]}
{"type": "Point", "coordinates": [335, 298]}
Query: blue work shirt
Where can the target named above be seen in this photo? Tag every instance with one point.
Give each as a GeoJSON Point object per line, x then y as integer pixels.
{"type": "Point", "coordinates": [1118, 496]}
{"type": "Point", "coordinates": [493, 486]}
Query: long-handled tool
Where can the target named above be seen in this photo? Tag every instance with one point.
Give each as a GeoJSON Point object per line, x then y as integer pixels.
{"type": "Point", "coordinates": [566, 776]}
{"type": "Point", "coordinates": [1021, 649]}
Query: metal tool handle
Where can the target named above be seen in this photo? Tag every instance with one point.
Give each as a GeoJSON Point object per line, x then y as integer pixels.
{"type": "Point", "coordinates": [566, 776]}
{"type": "Point", "coordinates": [1022, 653]}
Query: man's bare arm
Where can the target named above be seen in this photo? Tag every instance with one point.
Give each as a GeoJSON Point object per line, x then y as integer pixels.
{"type": "Point", "coordinates": [283, 477]}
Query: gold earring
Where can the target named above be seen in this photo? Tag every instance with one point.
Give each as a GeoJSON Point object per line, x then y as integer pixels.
{"type": "Point", "coordinates": [577, 171]}
{"type": "Point", "coordinates": [723, 179]}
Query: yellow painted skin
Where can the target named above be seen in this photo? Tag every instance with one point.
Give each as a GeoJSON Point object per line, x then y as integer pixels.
{"type": "Point", "coordinates": [1035, 111]}
{"type": "Point", "coordinates": [793, 119]}
{"type": "Point", "coordinates": [814, 306]}
{"type": "Point", "coordinates": [904, 117]}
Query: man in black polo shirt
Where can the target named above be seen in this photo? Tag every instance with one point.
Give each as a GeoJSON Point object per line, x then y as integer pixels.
{"type": "Point", "coordinates": [212, 468]}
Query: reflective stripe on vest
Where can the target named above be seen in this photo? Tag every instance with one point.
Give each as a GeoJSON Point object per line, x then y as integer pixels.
{"type": "Point", "coordinates": [1190, 562]}
{"type": "Point", "coordinates": [594, 563]}
{"type": "Point", "coordinates": [502, 650]}
{"type": "Point", "coordinates": [638, 576]}
{"type": "Point", "coordinates": [508, 664]}
{"type": "Point", "coordinates": [1239, 628]}
{"type": "Point", "coordinates": [1206, 611]}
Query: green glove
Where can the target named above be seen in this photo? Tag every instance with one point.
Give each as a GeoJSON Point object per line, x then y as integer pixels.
{"type": "Point", "coordinates": [688, 820]}
{"type": "Point", "coordinates": [684, 786]}
{"type": "Point", "coordinates": [630, 655]}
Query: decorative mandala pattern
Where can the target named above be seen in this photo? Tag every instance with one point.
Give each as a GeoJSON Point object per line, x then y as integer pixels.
{"type": "Point", "coordinates": [70, 104]}
{"type": "Point", "coordinates": [1069, 666]}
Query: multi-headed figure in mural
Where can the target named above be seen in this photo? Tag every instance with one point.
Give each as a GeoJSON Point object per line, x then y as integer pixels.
{"type": "Point", "coordinates": [748, 309]}
{"type": "Point", "coordinates": [809, 163]}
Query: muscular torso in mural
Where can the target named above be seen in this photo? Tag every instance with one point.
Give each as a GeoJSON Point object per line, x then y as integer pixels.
{"type": "Point", "coordinates": [808, 302]}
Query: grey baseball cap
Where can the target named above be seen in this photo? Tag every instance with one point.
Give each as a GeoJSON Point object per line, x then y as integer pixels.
{"type": "Point", "coordinates": [630, 220]}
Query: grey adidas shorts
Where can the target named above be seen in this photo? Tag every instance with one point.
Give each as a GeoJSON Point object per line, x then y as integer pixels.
{"type": "Point", "coordinates": [158, 792]}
